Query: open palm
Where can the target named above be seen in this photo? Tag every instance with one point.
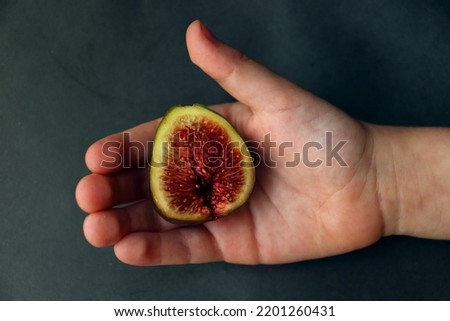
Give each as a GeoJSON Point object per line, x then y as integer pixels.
{"type": "Point", "coordinates": [301, 208]}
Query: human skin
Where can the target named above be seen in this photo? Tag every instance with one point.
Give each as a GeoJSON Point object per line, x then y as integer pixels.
{"type": "Point", "coordinates": [395, 182]}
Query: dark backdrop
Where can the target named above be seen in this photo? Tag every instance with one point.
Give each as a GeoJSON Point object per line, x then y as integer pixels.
{"type": "Point", "coordinates": [74, 71]}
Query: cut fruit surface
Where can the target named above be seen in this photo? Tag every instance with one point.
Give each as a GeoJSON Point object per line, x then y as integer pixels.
{"type": "Point", "coordinates": [201, 168]}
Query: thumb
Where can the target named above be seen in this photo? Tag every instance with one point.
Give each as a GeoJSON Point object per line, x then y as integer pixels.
{"type": "Point", "coordinates": [244, 79]}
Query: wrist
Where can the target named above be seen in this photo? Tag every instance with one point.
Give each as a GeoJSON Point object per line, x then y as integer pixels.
{"type": "Point", "coordinates": [413, 188]}
{"type": "Point", "coordinates": [384, 165]}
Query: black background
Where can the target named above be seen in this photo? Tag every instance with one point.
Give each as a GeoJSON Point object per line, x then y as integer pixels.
{"type": "Point", "coordinates": [74, 71]}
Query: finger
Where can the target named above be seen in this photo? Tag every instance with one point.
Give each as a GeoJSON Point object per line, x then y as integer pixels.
{"type": "Point", "coordinates": [97, 192]}
{"type": "Point", "coordinates": [246, 80]}
{"type": "Point", "coordinates": [127, 149]}
{"type": "Point", "coordinates": [107, 227]}
{"type": "Point", "coordinates": [180, 246]}
{"type": "Point", "coordinates": [132, 148]}
{"type": "Point", "coordinates": [240, 116]}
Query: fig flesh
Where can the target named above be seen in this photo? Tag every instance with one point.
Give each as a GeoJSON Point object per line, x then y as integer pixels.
{"type": "Point", "coordinates": [201, 169]}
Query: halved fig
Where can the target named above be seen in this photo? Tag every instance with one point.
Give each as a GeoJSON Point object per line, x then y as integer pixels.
{"type": "Point", "coordinates": [201, 169]}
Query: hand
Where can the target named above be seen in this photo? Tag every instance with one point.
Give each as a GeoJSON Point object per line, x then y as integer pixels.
{"type": "Point", "coordinates": [295, 213]}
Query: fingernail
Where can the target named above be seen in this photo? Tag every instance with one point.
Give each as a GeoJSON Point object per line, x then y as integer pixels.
{"type": "Point", "coordinates": [207, 33]}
